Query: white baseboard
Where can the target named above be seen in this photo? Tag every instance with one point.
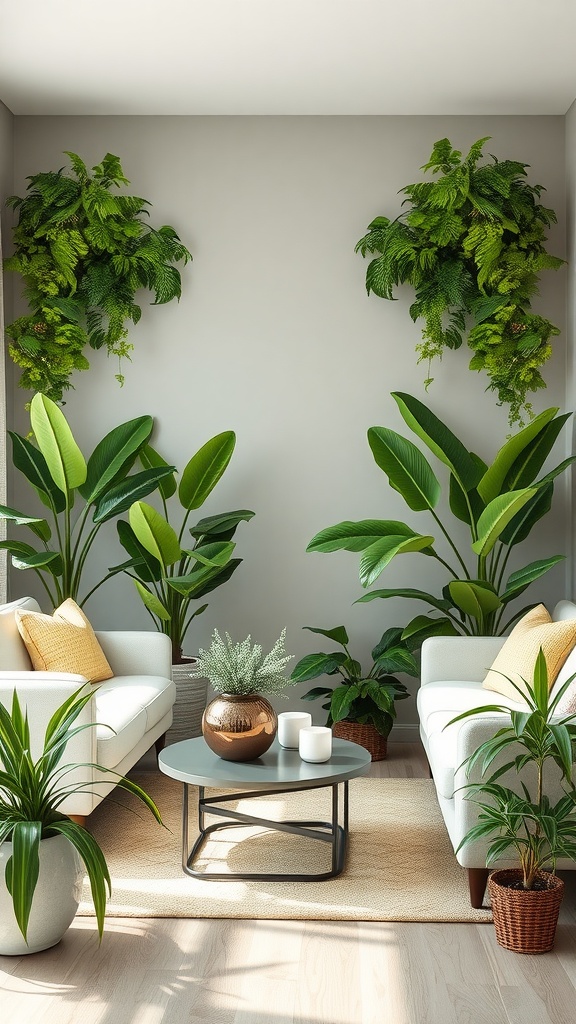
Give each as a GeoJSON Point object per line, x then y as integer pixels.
{"type": "Point", "coordinates": [404, 733]}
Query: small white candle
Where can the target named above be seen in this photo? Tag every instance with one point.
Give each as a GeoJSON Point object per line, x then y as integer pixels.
{"type": "Point", "coordinates": [289, 725]}
{"type": "Point", "coordinates": [315, 744]}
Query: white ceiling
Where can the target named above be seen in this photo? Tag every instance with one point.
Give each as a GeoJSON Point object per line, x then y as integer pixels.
{"type": "Point", "coordinates": [287, 56]}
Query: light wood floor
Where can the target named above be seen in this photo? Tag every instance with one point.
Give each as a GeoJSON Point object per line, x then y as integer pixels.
{"type": "Point", "coordinates": [293, 972]}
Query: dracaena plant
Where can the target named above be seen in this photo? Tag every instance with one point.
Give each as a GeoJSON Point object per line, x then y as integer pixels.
{"type": "Point", "coordinates": [363, 696]}
{"type": "Point", "coordinates": [538, 831]}
{"type": "Point", "coordinates": [31, 796]}
{"type": "Point", "coordinates": [79, 495]}
{"type": "Point", "coordinates": [471, 244]}
{"type": "Point", "coordinates": [499, 503]}
{"type": "Point", "coordinates": [84, 250]}
{"type": "Point", "coordinates": [172, 567]}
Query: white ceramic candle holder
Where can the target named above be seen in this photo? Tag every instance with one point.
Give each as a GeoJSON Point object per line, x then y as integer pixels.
{"type": "Point", "coordinates": [289, 725]}
{"type": "Point", "coordinates": [315, 744]}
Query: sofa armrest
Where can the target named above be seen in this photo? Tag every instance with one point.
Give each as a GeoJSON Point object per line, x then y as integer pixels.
{"type": "Point", "coordinates": [42, 693]}
{"type": "Point", "coordinates": [458, 657]}
{"type": "Point", "coordinates": [137, 653]}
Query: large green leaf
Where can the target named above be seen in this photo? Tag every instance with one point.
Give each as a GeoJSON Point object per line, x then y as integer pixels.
{"type": "Point", "coordinates": [406, 468]}
{"type": "Point", "coordinates": [205, 469]}
{"type": "Point", "coordinates": [152, 603]}
{"type": "Point", "coordinates": [23, 869]}
{"type": "Point", "coordinates": [492, 482]}
{"type": "Point", "coordinates": [350, 536]}
{"type": "Point", "coordinates": [439, 439]}
{"type": "Point", "coordinates": [338, 633]}
{"type": "Point", "coordinates": [114, 455]}
{"type": "Point", "coordinates": [521, 579]}
{"type": "Point", "coordinates": [38, 526]}
{"type": "Point", "coordinates": [154, 533]}
{"type": "Point", "coordinates": [50, 560]}
{"type": "Point", "coordinates": [63, 457]}
{"type": "Point", "coordinates": [397, 659]}
{"type": "Point", "coordinates": [520, 526]}
{"type": "Point", "coordinates": [342, 699]}
{"type": "Point", "coordinates": [314, 665]}
{"type": "Point", "coordinates": [496, 517]}
{"type": "Point", "coordinates": [32, 464]}
{"type": "Point", "coordinates": [94, 862]}
{"type": "Point", "coordinates": [375, 558]}
{"type": "Point", "coordinates": [473, 598]}
{"type": "Point", "coordinates": [462, 504]}
{"type": "Point", "coordinates": [216, 553]}
{"type": "Point", "coordinates": [409, 592]}
{"type": "Point", "coordinates": [147, 567]}
{"type": "Point", "coordinates": [151, 459]}
{"type": "Point", "coordinates": [423, 626]}
{"type": "Point", "coordinates": [526, 467]}
{"type": "Point", "coordinates": [225, 522]}
{"type": "Point", "coordinates": [549, 477]}
{"type": "Point", "coordinates": [204, 580]}
{"type": "Point", "coordinates": [121, 496]}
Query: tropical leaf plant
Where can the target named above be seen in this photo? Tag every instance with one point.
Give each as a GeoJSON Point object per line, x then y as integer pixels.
{"type": "Point", "coordinates": [499, 503]}
{"type": "Point", "coordinates": [538, 831]}
{"type": "Point", "coordinates": [83, 250]}
{"type": "Point", "coordinates": [79, 495]}
{"type": "Point", "coordinates": [471, 244]}
{"type": "Point", "coordinates": [31, 796]}
{"type": "Point", "coordinates": [366, 697]}
{"type": "Point", "coordinates": [169, 571]}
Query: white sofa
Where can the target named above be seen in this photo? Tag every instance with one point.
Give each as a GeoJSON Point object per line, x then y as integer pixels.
{"type": "Point", "coordinates": [131, 711]}
{"type": "Point", "coordinates": [452, 672]}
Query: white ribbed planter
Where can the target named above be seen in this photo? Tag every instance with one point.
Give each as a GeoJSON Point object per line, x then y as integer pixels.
{"type": "Point", "coordinates": [191, 699]}
{"type": "Point", "coordinates": [55, 900]}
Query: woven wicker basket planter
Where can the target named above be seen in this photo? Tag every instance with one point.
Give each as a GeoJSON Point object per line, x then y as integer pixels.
{"type": "Point", "coordinates": [191, 699]}
{"type": "Point", "coordinates": [525, 921]}
{"type": "Point", "coordinates": [365, 735]}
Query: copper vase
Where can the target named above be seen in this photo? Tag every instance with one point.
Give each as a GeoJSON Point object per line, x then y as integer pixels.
{"type": "Point", "coordinates": [239, 727]}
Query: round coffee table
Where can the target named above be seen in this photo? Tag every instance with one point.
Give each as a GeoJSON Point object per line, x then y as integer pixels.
{"type": "Point", "coordinates": [277, 771]}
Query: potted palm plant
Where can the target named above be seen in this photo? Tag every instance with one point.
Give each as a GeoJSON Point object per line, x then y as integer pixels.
{"type": "Point", "coordinates": [43, 852]}
{"type": "Point", "coordinates": [361, 708]}
{"type": "Point", "coordinates": [526, 899]}
{"type": "Point", "coordinates": [174, 566]}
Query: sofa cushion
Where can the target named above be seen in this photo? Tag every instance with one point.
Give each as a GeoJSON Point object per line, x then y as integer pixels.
{"type": "Point", "coordinates": [121, 726]}
{"type": "Point", "coordinates": [63, 642]}
{"type": "Point", "coordinates": [517, 658]}
{"type": "Point", "coordinates": [154, 695]}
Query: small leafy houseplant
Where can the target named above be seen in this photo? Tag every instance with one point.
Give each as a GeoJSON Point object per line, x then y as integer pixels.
{"type": "Point", "coordinates": [62, 478]}
{"type": "Point", "coordinates": [537, 830]}
{"type": "Point", "coordinates": [471, 244]}
{"type": "Point", "coordinates": [367, 698]}
{"type": "Point", "coordinates": [240, 723]}
{"type": "Point", "coordinates": [83, 251]}
{"type": "Point", "coordinates": [499, 504]}
{"type": "Point", "coordinates": [31, 796]}
{"type": "Point", "coordinates": [169, 571]}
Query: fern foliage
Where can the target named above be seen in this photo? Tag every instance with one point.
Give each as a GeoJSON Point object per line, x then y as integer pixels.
{"type": "Point", "coordinates": [471, 242]}
{"type": "Point", "coordinates": [84, 249]}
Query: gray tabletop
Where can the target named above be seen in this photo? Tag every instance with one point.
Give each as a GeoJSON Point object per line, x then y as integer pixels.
{"type": "Point", "coordinates": [192, 761]}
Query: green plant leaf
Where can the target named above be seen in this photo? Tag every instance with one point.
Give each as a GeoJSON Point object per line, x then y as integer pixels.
{"type": "Point", "coordinates": [521, 525]}
{"type": "Point", "coordinates": [375, 558]}
{"type": "Point", "coordinates": [225, 522]}
{"type": "Point", "coordinates": [23, 869]}
{"type": "Point", "coordinates": [154, 533]}
{"type": "Point", "coordinates": [203, 580]}
{"type": "Point", "coordinates": [526, 467]}
{"type": "Point", "coordinates": [152, 603]}
{"type": "Point", "coordinates": [414, 595]}
{"type": "Point", "coordinates": [338, 633]}
{"type": "Point", "coordinates": [473, 598]}
{"type": "Point", "coordinates": [113, 455]}
{"type": "Point", "coordinates": [148, 568]}
{"type": "Point", "coordinates": [63, 457]}
{"type": "Point", "coordinates": [50, 560]}
{"type": "Point", "coordinates": [397, 659]}
{"type": "Point", "coordinates": [406, 468]}
{"type": "Point", "coordinates": [151, 459]}
{"type": "Point", "coordinates": [316, 692]}
{"type": "Point", "coordinates": [342, 700]}
{"type": "Point", "coordinates": [216, 553]}
{"type": "Point", "coordinates": [94, 862]}
{"type": "Point", "coordinates": [21, 519]}
{"type": "Point", "coordinates": [496, 516]}
{"type": "Point", "coordinates": [205, 468]}
{"type": "Point", "coordinates": [32, 464]}
{"type": "Point", "coordinates": [441, 441]}
{"type": "Point", "coordinates": [312, 666]}
{"type": "Point", "coordinates": [491, 484]}
{"type": "Point", "coordinates": [351, 536]}
{"type": "Point", "coordinates": [423, 626]}
{"type": "Point", "coordinates": [121, 496]}
{"type": "Point", "coordinates": [521, 579]}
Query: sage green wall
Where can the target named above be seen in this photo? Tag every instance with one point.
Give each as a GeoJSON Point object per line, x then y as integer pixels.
{"type": "Point", "coordinates": [276, 338]}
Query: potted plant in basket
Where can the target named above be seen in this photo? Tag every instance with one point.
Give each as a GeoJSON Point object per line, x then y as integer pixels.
{"type": "Point", "coordinates": [171, 572]}
{"type": "Point", "coordinates": [526, 900]}
{"type": "Point", "coordinates": [362, 707]}
{"type": "Point", "coordinates": [43, 852]}
{"type": "Point", "coordinates": [240, 724]}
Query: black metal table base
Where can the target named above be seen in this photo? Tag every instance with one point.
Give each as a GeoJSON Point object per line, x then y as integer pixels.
{"type": "Point", "coordinates": [331, 832]}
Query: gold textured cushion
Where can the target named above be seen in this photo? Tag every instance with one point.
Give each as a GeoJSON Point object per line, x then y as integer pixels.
{"type": "Point", "coordinates": [63, 642]}
{"type": "Point", "coordinates": [517, 658]}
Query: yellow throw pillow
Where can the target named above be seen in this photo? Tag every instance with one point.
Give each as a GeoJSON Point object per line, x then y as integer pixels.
{"type": "Point", "coordinates": [517, 658]}
{"type": "Point", "coordinates": [63, 642]}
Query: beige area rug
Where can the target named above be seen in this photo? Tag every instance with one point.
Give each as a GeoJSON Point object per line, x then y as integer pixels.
{"type": "Point", "coordinates": [400, 865]}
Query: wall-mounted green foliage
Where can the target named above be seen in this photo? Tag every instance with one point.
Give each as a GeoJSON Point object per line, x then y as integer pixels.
{"type": "Point", "coordinates": [471, 244]}
{"type": "Point", "coordinates": [84, 251]}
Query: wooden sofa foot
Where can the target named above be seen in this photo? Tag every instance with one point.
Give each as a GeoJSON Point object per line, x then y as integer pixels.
{"type": "Point", "coordinates": [80, 819]}
{"type": "Point", "coordinates": [477, 879]}
{"type": "Point", "coordinates": [160, 743]}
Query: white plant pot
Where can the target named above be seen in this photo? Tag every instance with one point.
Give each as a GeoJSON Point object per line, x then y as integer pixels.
{"type": "Point", "coordinates": [55, 900]}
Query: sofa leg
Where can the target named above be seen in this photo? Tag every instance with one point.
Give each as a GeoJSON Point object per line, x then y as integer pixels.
{"type": "Point", "coordinates": [477, 879]}
{"type": "Point", "coordinates": [80, 819]}
{"type": "Point", "coordinates": [160, 743]}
